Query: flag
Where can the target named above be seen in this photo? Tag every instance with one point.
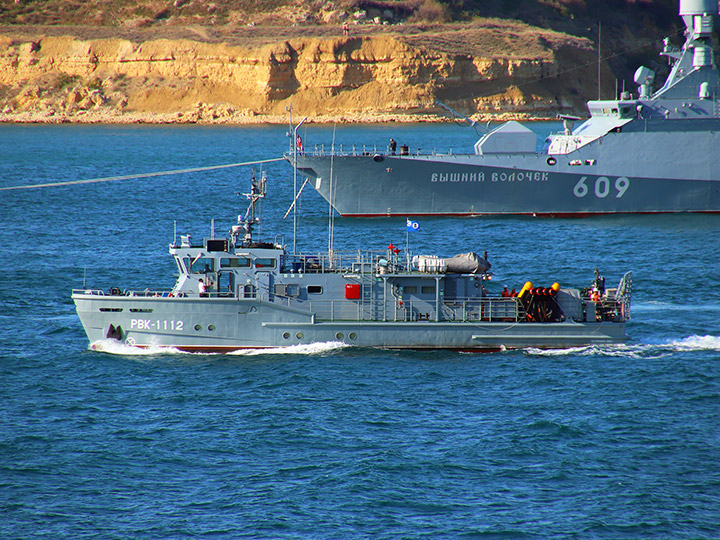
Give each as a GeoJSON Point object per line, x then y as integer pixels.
{"type": "Point", "coordinates": [412, 225]}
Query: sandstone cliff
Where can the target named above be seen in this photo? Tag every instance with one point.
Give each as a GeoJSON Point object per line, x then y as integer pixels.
{"type": "Point", "coordinates": [530, 73]}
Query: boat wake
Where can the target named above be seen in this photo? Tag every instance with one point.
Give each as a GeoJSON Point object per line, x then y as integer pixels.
{"type": "Point", "coordinates": [698, 343]}
{"type": "Point", "coordinates": [113, 346]}
{"type": "Point", "coordinates": [649, 350]}
{"type": "Point", "coordinates": [309, 349]}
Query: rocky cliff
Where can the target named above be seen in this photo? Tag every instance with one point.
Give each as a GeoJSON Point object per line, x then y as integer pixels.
{"type": "Point", "coordinates": [530, 73]}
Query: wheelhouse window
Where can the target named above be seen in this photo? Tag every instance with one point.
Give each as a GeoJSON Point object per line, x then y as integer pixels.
{"type": "Point", "coordinates": [234, 262]}
{"type": "Point", "coordinates": [199, 266]}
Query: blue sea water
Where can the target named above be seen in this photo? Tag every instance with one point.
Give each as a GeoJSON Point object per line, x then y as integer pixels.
{"type": "Point", "coordinates": [323, 441]}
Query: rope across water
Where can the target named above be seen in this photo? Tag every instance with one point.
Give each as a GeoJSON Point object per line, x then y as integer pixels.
{"type": "Point", "coordinates": [142, 175]}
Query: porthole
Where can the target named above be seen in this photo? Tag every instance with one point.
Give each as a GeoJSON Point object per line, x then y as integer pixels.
{"type": "Point", "coordinates": [286, 335]}
{"type": "Point", "coordinates": [198, 327]}
{"type": "Point", "coordinates": [352, 335]}
{"type": "Point", "coordinates": [551, 161]}
{"type": "Point", "coordinates": [299, 335]}
{"type": "Point", "coordinates": [378, 158]}
{"type": "Point", "coordinates": [339, 335]}
{"type": "Point", "coordinates": [211, 327]}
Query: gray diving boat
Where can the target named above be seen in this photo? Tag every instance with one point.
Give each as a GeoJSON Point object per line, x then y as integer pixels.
{"type": "Point", "coordinates": [240, 292]}
{"type": "Point", "coordinates": [652, 152]}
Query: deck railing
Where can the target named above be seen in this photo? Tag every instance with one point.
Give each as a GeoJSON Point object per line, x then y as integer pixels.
{"type": "Point", "coordinates": [355, 262]}
{"type": "Point", "coordinates": [488, 309]}
{"type": "Point", "coordinates": [460, 310]}
{"type": "Point", "coordinates": [321, 150]}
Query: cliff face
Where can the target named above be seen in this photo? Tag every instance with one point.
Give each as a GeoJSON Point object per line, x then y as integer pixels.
{"type": "Point", "coordinates": [341, 78]}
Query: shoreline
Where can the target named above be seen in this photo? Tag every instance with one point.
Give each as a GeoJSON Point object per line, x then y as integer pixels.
{"type": "Point", "coordinates": [193, 118]}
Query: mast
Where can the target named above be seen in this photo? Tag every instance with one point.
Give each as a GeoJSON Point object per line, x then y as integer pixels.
{"type": "Point", "coordinates": [258, 190]}
{"type": "Point", "coordinates": [599, 56]}
{"type": "Point", "coordinates": [296, 147]}
{"type": "Point", "coordinates": [331, 214]}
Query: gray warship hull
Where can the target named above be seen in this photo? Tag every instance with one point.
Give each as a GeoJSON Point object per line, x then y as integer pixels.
{"type": "Point", "coordinates": [221, 325]}
{"type": "Point", "coordinates": [653, 152]}
{"type": "Point", "coordinates": [469, 185]}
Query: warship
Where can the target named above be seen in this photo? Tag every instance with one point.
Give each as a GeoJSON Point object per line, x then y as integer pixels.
{"type": "Point", "coordinates": [241, 292]}
{"type": "Point", "coordinates": [651, 152]}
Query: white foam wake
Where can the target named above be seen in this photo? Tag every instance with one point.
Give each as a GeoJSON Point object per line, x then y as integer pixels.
{"type": "Point", "coordinates": [698, 343]}
{"type": "Point", "coordinates": [657, 349]}
{"type": "Point", "coordinates": [310, 349]}
{"type": "Point", "coordinates": [113, 346]}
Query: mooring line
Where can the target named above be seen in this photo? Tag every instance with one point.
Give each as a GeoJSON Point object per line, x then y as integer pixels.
{"type": "Point", "coordinates": [144, 175]}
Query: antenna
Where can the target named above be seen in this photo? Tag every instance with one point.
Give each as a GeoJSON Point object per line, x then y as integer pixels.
{"type": "Point", "coordinates": [599, 45]}
{"type": "Point", "coordinates": [331, 216]}
{"type": "Point", "coordinates": [297, 146]}
{"type": "Point", "coordinates": [258, 190]}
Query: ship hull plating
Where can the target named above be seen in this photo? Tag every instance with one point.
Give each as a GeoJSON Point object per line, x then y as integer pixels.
{"type": "Point", "coordinates": [225, 325]}
{"type": "Point", "coordinates": [367, 186]}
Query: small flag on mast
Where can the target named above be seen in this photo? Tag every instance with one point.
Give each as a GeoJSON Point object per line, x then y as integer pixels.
{"type": "Point", "coordinates": [412, 225]}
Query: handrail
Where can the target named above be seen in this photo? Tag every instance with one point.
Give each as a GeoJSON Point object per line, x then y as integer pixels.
{"type": "Point", "coordinates": [392, 309]}
{"type": "Point", "coordinates": [319, 150]}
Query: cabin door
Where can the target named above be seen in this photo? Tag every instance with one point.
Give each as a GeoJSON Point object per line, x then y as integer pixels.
{"type": "Point", "coordinates": [226, 283]}
{"type": "Point", "coordinates": [265, 285]}
{"type": "Point", "coordinates": [450, 288]}
{"type": "Point", "coordinates": [211, 283]}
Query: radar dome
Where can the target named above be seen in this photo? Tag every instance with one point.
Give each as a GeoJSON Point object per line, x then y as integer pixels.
{"type": "Point", "coordinates": [644, 75]}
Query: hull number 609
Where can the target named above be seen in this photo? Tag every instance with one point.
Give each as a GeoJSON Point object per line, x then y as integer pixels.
{"type": "Point", "coordinates": [601, 187]}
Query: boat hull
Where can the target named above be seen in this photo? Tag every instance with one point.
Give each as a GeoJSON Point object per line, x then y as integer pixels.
{"type": "Point", "coordinates": [635, 174]}
{"type": "Point", "coordinates": [229, 324]}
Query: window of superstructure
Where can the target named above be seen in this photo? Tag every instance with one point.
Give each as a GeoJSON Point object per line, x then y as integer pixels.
{"type": "Point", "coordinates": [293, 289]}
{"type": "Point", "coordinates": [410, 289]}
{"type": "Point", "coordinates": [235, 262]}
{"type": "Point", "coordinates": [264, 263]}
{"type": "Point", "coordinates": [199, 266]}
{"type": "Point", "coordinates": [428, 289]}
{"type": "Point", "coordinates": [314, 289]}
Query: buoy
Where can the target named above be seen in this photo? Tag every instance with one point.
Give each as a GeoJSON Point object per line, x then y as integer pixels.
{"type": "Point", "coordinates": [526, 288]}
